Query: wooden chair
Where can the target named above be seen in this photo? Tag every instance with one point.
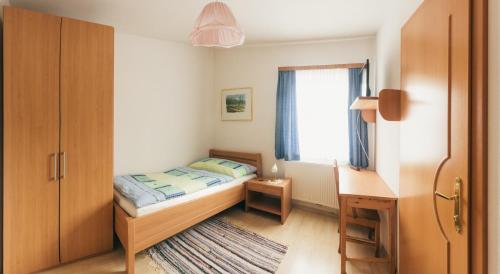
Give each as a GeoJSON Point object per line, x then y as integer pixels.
{"type": "Point", "coordinates": [368, 218]}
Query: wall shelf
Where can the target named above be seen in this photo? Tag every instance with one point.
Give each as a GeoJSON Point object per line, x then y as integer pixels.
{"type": "Point", "coordinates": [388, 103]}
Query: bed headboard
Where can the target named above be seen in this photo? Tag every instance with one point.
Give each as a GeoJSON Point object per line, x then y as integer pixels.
{"type": "Point", "coordinates": [253, 159]}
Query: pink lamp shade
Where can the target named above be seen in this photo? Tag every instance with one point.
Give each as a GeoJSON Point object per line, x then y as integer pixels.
{"type": "Point", "coordinates": [217, 27]}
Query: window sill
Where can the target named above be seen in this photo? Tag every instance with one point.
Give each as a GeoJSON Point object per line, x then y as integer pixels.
{"type": "Point", "coordinates": [316, 162]}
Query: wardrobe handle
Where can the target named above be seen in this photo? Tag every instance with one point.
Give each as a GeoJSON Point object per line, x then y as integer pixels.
{"type": "Point", "coordinates": [62, 155]}
{"type": "Point", "coordinates": [53, 167]}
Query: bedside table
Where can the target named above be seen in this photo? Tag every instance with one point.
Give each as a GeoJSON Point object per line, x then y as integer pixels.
{"type": "Point", "coordinates": [272, 197]}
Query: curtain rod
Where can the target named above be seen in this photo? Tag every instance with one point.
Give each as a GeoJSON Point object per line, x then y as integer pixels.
{"type": "Point", "coordinates": [335, 66]}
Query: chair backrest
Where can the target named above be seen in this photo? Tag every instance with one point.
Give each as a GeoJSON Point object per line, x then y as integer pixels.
{"type": "Point", "coordinates": [336, 174]}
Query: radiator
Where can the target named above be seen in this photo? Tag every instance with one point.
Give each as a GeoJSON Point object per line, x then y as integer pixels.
{"type": "Point", "coordinates": [312, 183]}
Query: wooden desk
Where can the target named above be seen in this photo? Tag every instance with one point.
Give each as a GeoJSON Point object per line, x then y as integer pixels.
{"type": "Point", "coordinates": [365, 189]}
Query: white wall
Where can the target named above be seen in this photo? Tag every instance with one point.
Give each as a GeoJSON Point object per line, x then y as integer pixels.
{"type": "Point", "coordinates": [388, 76]}
{"type": "Point", "coordinates": [494, 138]}
{"type": "Point", "coordinates": [257, 67]}
{"type": "Point", "coordinates": [163, 103]}
{"type": "Point", "coordinates": [388, 70]}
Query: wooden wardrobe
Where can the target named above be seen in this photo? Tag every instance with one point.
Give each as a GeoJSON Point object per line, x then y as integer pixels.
{"type": "Point", "coordinates": [57, 140]}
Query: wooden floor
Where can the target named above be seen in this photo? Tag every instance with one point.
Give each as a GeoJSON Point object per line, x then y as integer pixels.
{"type": "Point", "coordinates": [312, 239]}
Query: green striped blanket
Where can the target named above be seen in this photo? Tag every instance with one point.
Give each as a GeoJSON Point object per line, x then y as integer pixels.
{"type": "Point", "coordinates": [150, 188]}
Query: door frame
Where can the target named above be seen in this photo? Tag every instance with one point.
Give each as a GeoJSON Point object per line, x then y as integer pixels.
{"type": "Point", "coordinates": [478, 208]}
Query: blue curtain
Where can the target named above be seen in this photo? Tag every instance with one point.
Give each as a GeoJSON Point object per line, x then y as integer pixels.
{"type": "Point", "coordinates": [358, 130]}
{"type": "Point", "coordinates": [286, 134]}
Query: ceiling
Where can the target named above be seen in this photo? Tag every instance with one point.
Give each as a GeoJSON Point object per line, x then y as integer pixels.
{"type": "Point", "coordinates": [264, 21]}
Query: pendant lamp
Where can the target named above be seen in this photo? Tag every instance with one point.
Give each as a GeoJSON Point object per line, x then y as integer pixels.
{"type": "Point", "coordinates": [217, 27]}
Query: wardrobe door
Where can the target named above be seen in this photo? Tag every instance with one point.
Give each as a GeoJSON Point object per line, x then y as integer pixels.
{"type": "Point", "coordinates": [31, 140]}
{"type": "Point", "coordinates": [86, 139]}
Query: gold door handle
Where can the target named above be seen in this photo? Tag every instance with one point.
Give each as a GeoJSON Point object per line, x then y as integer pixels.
{"type": "Point", "coordinates": [452, 198]}
{"type": "Point", "coordinates": [457, 213]}
{"type": "Point", "coordinates": [62, 155]}
{"type": "Point", "coordinates": [53, 168]}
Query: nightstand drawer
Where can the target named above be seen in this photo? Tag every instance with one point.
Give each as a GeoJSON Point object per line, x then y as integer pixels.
{"type": "Point", "coordinates": [258, 187]}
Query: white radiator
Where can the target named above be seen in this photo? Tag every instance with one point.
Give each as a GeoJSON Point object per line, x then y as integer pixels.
{"type": "Point", "coordinates": [312, 183]}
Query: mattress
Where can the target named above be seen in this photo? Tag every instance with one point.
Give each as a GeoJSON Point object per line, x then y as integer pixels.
{"type": "Point", "coordinates": [130, 208]}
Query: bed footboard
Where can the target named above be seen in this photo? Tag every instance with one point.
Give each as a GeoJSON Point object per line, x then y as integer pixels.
{"type": "Point", "coordinates": [137, 234]}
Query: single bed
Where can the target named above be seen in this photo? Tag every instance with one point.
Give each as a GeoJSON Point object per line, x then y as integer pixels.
{"type": "Point", "coordinates": [141, 228]}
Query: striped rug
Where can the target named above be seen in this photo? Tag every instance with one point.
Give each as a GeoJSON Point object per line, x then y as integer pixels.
{"type": "Point", "coordinates": [216, 246]}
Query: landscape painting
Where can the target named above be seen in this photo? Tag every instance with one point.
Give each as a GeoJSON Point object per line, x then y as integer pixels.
{"type": "Point", "coordinates": [236, 104]}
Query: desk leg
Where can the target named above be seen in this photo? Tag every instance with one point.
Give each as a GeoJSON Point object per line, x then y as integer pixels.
{"type": "Point", "coordinates": [392, 238]}
{"type": "Point", "coordinates": [343, 217]}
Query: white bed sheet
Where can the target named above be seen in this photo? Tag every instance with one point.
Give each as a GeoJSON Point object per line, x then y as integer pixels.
{"type": "Point", "coordinates": [130, 208]}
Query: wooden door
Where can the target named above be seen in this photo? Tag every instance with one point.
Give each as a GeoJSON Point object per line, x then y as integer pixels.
{"type": "Point", "coordinates": [31, 140]}
{"type": "Point", "coordinates": [435, 137]}
{"type": "Point", "coordinates": [86, 139]}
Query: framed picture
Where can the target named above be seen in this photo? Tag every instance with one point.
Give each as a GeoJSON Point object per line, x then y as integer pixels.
{"type": "Point", "coordinates": [236, 104]}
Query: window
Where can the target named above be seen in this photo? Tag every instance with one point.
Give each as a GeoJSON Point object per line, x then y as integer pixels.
{"type": "Point", "coordinates": [322, 114]}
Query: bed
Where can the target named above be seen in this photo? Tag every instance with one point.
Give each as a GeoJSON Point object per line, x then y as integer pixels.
{"type": "Point", "coordinates": [140, 230]}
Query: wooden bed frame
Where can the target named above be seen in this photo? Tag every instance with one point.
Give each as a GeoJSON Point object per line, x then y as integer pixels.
{"type": "Point", "coordinates": [137, 234]}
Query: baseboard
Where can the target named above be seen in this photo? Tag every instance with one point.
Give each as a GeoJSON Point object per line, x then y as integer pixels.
{"type": "Point", "coordinates": [316, 208]}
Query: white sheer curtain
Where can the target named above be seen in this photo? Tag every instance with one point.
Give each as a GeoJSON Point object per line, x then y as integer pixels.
{"type": "Point", "coordinates": [322, 115]}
